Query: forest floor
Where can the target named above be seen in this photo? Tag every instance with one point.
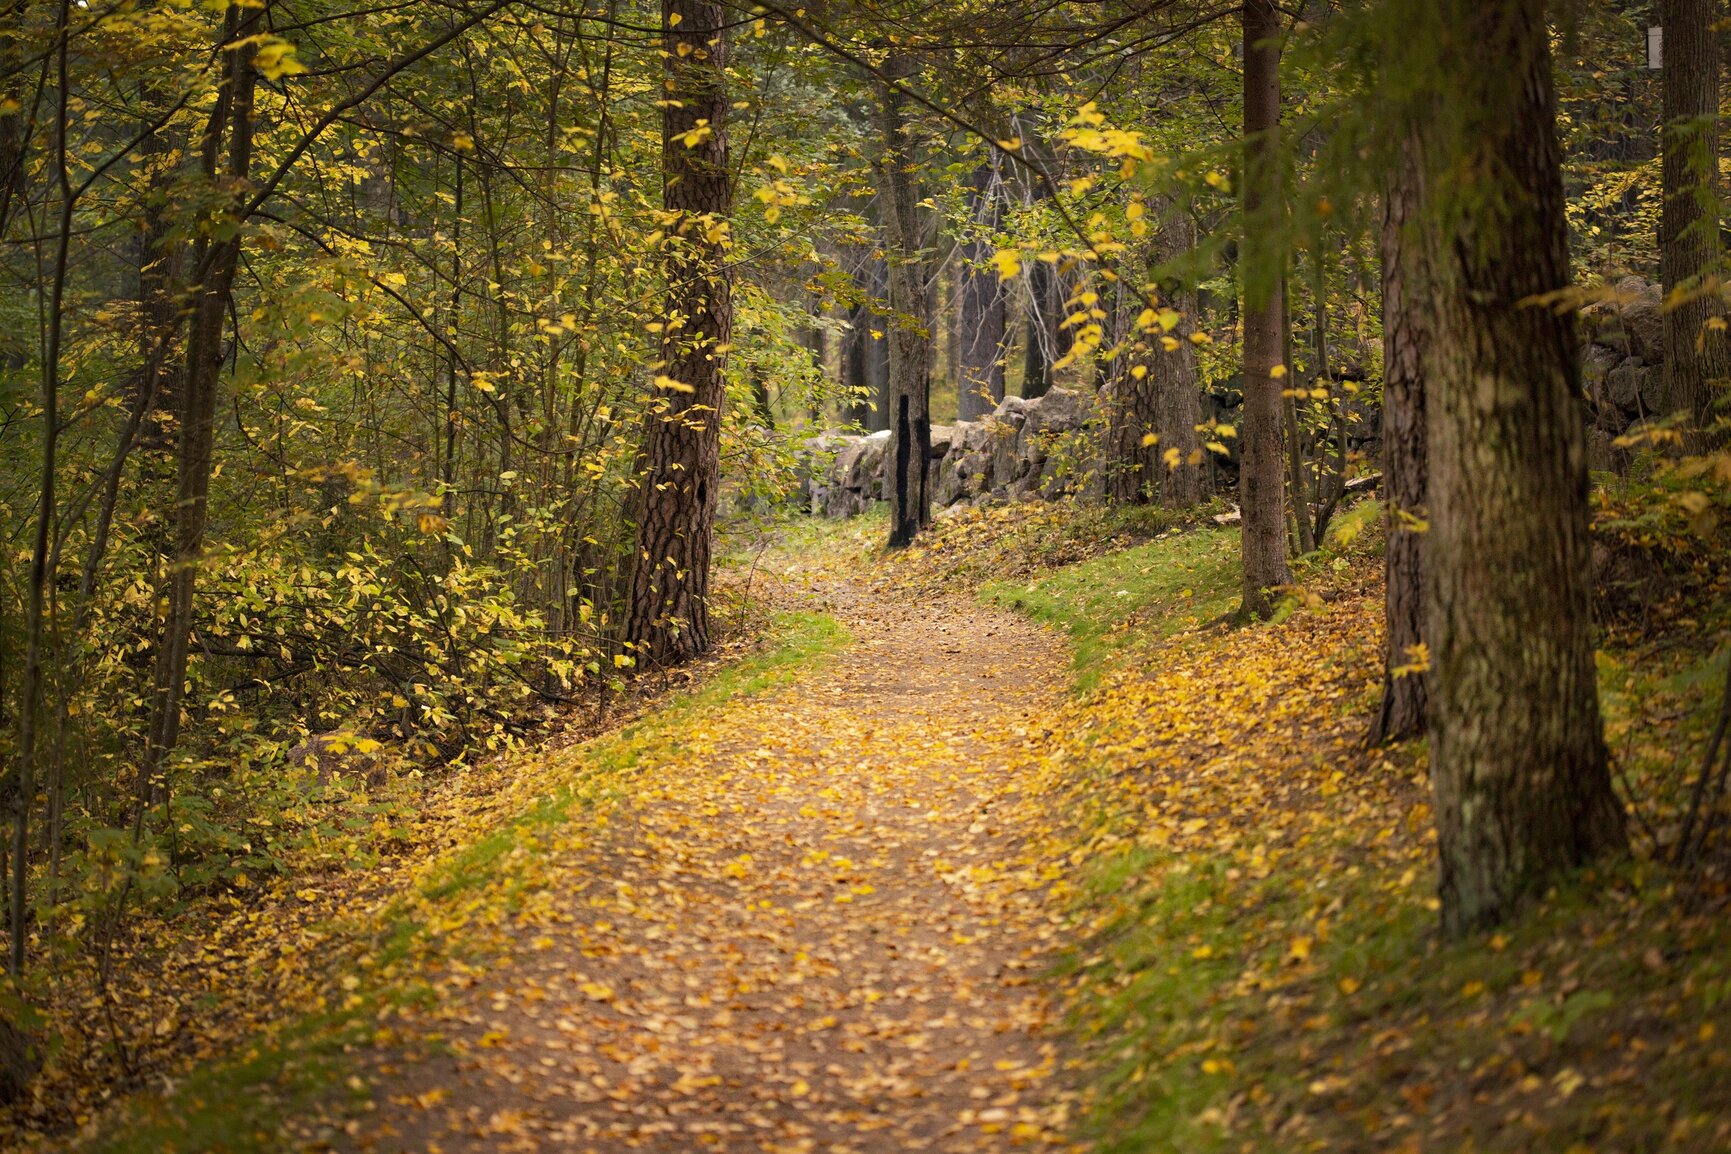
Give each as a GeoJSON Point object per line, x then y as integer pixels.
{"type": "Point", "coordinates": [811, 928]}
{"type": "Point", "coordinates": [1009, 840]}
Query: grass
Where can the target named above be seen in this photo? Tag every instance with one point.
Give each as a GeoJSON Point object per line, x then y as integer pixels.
{"type": "Point", "coordinates": [245, 1102]}
{"type": "Point", "coordinates": [1258, 966]}
{"type": "Point", "coordinates": [1177, 581]}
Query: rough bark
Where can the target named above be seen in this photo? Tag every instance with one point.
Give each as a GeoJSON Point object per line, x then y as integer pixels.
{"type": "Point", "coordinates": [1402, 713]}
{"type": "Point", "coordinates": [1260, 485]}
{"type": "Point", "coordinates": [982, 312]}
{"type": "Point", "coordinates": [909, 342]}
{"type": "Point", "coordinates": [1697, 359]}
{"type": "Point", "coordinates": [1518, 761]}
{"type": "Point", "coordinates": [1166, 403]}
{"type": "Point", "coordinates": [667, 618]}
{"type": "Point", "coordinates": [1045, 314]}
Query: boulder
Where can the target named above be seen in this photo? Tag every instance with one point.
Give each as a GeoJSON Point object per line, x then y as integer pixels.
{"type": "Point", "coordinates": [1638, 313]}
{"type": "Point", "coordinates": [1623, 384]}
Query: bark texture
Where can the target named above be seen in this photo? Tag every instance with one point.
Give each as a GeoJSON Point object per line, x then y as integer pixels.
{"type": "Point", "coordinates": [1166, 403]}
{"type": "Point", "coordinates": [668, 614]}
{"type": "Point", "coordinates": [1697, 359]}
{"type": "Point", "coordinates": [1260, 485]}
{"type": "Point", "coordinates": [909, 342]}
{"type": "Point", "coordinates": [1518, 762]}
{"type": "Point", "coordinates": [1402, 713]}
{"type": "Point", "coordinates": [982, 312]}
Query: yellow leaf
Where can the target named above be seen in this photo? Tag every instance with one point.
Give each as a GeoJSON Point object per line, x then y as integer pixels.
{"type": "Point", "coordinates": [597, 992]}
{"type": "Point", "coordinates": [1008, 262]}
{"type": "Point", "coordinates": [1150, 439]}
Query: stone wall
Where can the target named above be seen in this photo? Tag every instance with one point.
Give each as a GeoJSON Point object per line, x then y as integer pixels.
{"type": "Point", "coordinates": [1022, 449]}
{"type": "Point", "coordinates": [1622, 365]}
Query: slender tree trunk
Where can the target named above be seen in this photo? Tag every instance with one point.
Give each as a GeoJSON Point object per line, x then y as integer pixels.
{"type": "Point", "coordinates": [47, 498]}
{"type": "Point", "coordinates": [909, 343]}
{"type": "Point", "coordinates": [856, 365]}
{"type": "Point", "coordinates": [1402, 713]}
{"type": "Point", "coordinates": [1517, 757]}
{"type": "Point", "coordinates": [1697, 359]}
{"type": "Point", "coordinates": [1045, 312]}
{"type": "Point", "coordinates": [982, 315]}
{"type": "Point", "coordinates": [216, 262]}
{"type": "Point", "coordinates": [877, 349]}
{"type": "Point", "coordinates": [1260, 485]}
{"type": "Point", "coordinates": [668, 616]}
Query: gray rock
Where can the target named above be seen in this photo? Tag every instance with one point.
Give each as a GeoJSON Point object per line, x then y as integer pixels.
{"type": "Point", "coordinates": [1640, 316]}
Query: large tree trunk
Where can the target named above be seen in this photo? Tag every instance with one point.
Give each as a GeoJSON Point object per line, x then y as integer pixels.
{"type": "Point", "coordinates": [1517, 757]}
{"type": "Point", "coordinates": [1402, 713]}
{"type": "Point", "coordinates": [668, 616]}
{"type": "Point", "coordinates": [909, 343]}
{"type": "Point", "coordinates": [1165, 404]}
{"type": "Point", "coordinates": [982, 313]}
{"type": "Point", "coordinates": [1260, 484]}
{"type": "Point", "coordinates": [1697, 359]}
{"type": "Point", "coordinates": [215, 262]}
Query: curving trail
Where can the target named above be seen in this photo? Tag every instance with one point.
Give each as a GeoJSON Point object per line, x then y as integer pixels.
{"type": "Point", "coordinates": [817, 927]}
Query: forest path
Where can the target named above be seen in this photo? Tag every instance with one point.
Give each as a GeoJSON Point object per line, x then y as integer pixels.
{"type": "Point", "coordinates": [815, 926]}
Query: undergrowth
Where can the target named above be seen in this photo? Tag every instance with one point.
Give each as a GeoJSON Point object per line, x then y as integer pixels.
{"type": "Point", "coordinates": [269, 994]}
{"type": "Point", "coordinates": [1260, 968]}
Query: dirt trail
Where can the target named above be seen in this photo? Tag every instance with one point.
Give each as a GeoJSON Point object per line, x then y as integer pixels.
{"type": "Point", "coordinates": [813, 929]}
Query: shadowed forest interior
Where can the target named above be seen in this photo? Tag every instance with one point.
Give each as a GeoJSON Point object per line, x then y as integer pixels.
{"type": "Point", "coordinates": [874, 575]}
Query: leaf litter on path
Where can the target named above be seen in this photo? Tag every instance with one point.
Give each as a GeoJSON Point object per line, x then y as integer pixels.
{"type": "Point", "coordinates": [815, 926]}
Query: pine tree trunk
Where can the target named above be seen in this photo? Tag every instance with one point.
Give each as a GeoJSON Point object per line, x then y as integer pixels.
{"type": "Point", "coordinates": [668, 616]}
{"type": "Point", "coordinates": [1260, 484]}
{"type": "Point", "coordinates": [1402, 713]}
{"type": "Point", "coordinates": [909, 344]}
{"type": "Point", "coordinates": [981, 313]}
{"type": "Point", "coordinates": [1517, 758]}
{"type": "Point", "coordinates": [1697, 359]}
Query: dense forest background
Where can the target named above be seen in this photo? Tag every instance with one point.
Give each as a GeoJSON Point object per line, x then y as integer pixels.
{"type": "Point", "coordinates": [375, 380]}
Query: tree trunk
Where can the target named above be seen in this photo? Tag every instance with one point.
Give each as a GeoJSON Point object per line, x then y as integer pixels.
{"type": "Point", "coordinates": [1166, 403]}
{"type": "Point", "coordinates": [1045, 312]}
{"type": "Point", "coordinates": [981, 316]}
{"type": "Point", "coordinates": [909, 343]}
{"type": "Point", "coordinates": [667, 619]}
{"type": "Point", "coordinates": [215, 263]}
{"type": "Point", "coordinates": [856, 365]}
{"type": "Point", "coordinates": [1402, 713]}
{"type": "Point", "coordinates": [1260, 486]}
{"type": "Point", "coordinates": [1518, 762]}
{"type": "Point", "coordinates": [877, 349]}
{"type": "Point", "coordinates": [1697, 359]}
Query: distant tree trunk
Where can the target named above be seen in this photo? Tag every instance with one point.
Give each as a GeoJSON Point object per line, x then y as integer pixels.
{"type": "Point", "coordinates": [1166, 403]}
{"type": "Point", "coordinates": [1402, 713]}
{"type": "Point", "coordinates": [668, 617]}
{"type": "Point", "coordinates": [216, 261]}
{"type": "Point", "coordinates": [1260, 486]}
{"type": "Point", "coordinates": [909, 344]}
{"type": "Point", "coordinates": [1518, 762]}
{"type": "Point", "coordinates": [982, 314]}
{"type": "Point", "coordinates": [1045, 306]}
{"type": "Point", "coordinates": [856, 365]}
{"type": "Point", "coordinates": [877, 349]}
{"type": "Point", "coordinates": [1697, 359]}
